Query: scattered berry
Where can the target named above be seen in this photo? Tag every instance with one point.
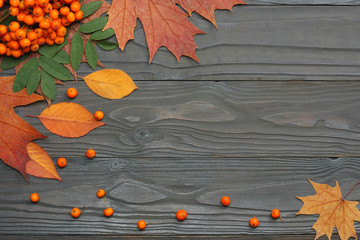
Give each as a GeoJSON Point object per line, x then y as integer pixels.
{"type": "Point", "coordinates": [225, 201]}
{"type": "Point", "coordinates": [141, 224]}
{"type": "Point", "coordinates": [275, 213]}
{"type": "Point", "coordinates": [181, 215]}
{"type": "Point", "coordinates": [34, 197]}
{"type": "Point", "coordinates": [108, 212]}
{"type": "Point", "coordinates": [71, 92]}
{"type": "Point", "coordinates": [90, 153]}
{"type": "Point", "coordinates": [99, 115]}
{"type": "Point", "coordinates": [75, 212]}
{"type": "Point", "coordinates": [254, 222]}
{"type": "Point", "coordinates": [61, 162]}
{"type": "Point", "coordinates": [100, 193]}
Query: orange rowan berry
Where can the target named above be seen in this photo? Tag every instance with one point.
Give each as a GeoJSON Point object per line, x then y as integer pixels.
{"type": "Point", "coordinates": [34, 197]}
{"type": "Point", "coordinates": [49, 41]}
{"type": "Point", "coordinates": [48, 8]}
{"type": "Point", "coordinates": [13, 45]}
{"type": "Point", "coordinates": [39, 18]}
{"type": "Point", "coordinates": [29, 3]}
{"type": "Point", "coordinates": [13, 11]}
{"type": "Point", "coordinates": [61, 32]}
{"type": "Point", "coordinates": [13, 26]}
{"type": "Point", "coordinates": [79, 15]}
{"type": "Point", "coordinates": [64, 11]}
{"type": "Point", "coordinates": [275, 213]}
{"type": "Point", "coordinates": [141, 224]}
{"type": "Point", "coordinates": [181, 215]}
{"type": "Point", "coordinates": [25, 42]}
{"type": "Point", "coordinates": [1, 3]}
{"type": "Point", "coordinates": [225, 201]}
{"type": "Point", "coordinates": [55, 24]}
{"type": "Point", "coordinates": [54, 14]}
{"type": "Point", "coordinates": [98, 115]}
{"type": "Point", "coordinates": [108, 212]}
{"type": "Point", "coordinates": [2, 49]}
{"type": "Point", "coordinates": [44, 23]}
{"type": "Point", "coordinates": [56, 5]}
{"type": "Point", "coordinates": [37, 11]}
{"type": "Point", "coordinates": [52, 35]}
{"type": "Point", "coordinates": [6, 37]}
{"type": "Point", "coordinates": [75, 212]}
{"type": "Point", "coordinates": [8, 52]}
{"type": "Point", "coordinates": [26, 49]}
{"type": "Point", "coordinates": [20, 17]}
{"type": "Point", "coordinates": [14, 3]}
{"type": "Point", "coordinates": [68, 2]}
{"type": "Point", "coordinates": [43, 3]}
{"type": "Point", "coordinates": [59, 40]}
{"type": "Point", "coordinates": [254, 222]}
{"type": "Point", "coordinates": [16, 53]}
{"type": "Point", "coordinates": [39, 32]}
{"type": "Point", "coordinates": [71, 17]}
{"type": "Point", "coordinates": [64, 21]}
{"type": "Point", "coordinates": [34, 47]}
{"type": "Point", "coordinates": [22, 5]}
{"type": "Point", "coordinates": [3, 29]}
{"type": "Point", "coordinates": [13, 36]}
{"type": "Point", "coordinates": [100, 193]}
{"type": "Point", "coordinates": [41, 41]}
{"type": "Point", "coordinates": [32, 35]}
{"type": "Point", "coordinates": [29, 20]}
{"type": "Point", "coordinates": [71, 92]}
{"type": "Point", "coordinates": [90, 153]}
{"type": "Point", "coordinates": [34, 41]}
{"type": "Point", "coordinates": [75, 6]}
{"type": "Point", "coordinates": [20, 34]}
{"type": "Point", "coordinates": [61, 162]}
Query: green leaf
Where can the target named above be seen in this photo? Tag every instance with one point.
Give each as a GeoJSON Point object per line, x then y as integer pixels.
{"type": "Point", "coordinates": [93, 25]}
{"type": "Point", "coordinates": [22, 76]}
{"type": "Point", "coordinates": [33, 82]}
{"type": "Point", "coordinates": [48, 85]}
{"type": "Point", "coordinates": [106, 45]}
{"type": "Point", "coordinates": [91, 54]}
{"type": "Point", "coordinates": [51, 51]}
{"type": "Point", "coordinates": [10, 62]}
{"type": "Point", "coordinates": [90, 8]}
{"type": "Point", "coordinates": [62, 57]}
{"type": "Point", "coordinates": [8, 19]}
{"type": "Point", "coordinates": [76, 51]}
{"type": "Point", "coordinates": [101, 35]}
{"type": "Point", "coordinates": [54, 68]}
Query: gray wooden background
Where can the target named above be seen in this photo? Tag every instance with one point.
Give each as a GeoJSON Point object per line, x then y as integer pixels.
{"type": "Point", "coordinates": [274, 101]}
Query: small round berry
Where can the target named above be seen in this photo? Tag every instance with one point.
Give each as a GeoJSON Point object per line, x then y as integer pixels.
{"type": "Point", "coordinates": [64, 11]}
{"type": "Point", "coordinates": [79, 15]}
{"type": "Point", "coordinates": [61, 162]}
{"type": "Point", "coordinates": [90, 153]}
{"type": "Point", "coordinates": [75, 6]}
{"type": "Point", "coordinates": [98, 115]}
{"type": "Point", "coordinates": [3, 29]}
{"type": "Point", "coordinates": [13, 26]}
{"type": "Point", "coordinates": [34, 197]}
{"type": "Point", "coordinates": [141, 224]}
{"type": "Point", "coordinates": [71, 92]}
{"type": "Point", "coordinates": [71, 17]}
{"type": "Point", "coordinates": [225, 201]}
{"type": "Point", "coordinates": [181, 215]}
{"type": "Point", "coordinates": [254, 222]}
{"type": "Point", "coordinates": [2, 49]}
{"type": "Point", "coordinates": [275, 213]}
{"type": "Point", "coordinates": [100, 193]}
{"type": "Point", "coordinates": [108, 212]}
{"type": "Point", "coordinates": [25, 43]}
{"type": "Point", "coordinates": [75, 212]}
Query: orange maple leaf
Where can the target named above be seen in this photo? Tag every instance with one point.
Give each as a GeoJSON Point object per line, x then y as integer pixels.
{"type": "Point", "coordinates": [334, 211]}
{"type": "Point", "coordinates": [15, 133]}
{"type": "Point", "coordinates": [164, 23]}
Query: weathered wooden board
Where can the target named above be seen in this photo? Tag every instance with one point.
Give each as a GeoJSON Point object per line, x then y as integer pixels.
{"type": "Point", "coordinates": [256, 43]}
{"type": "Point", "coordinates": [203, 118]}
{"type": "Point", "coordinates": [304, 2]}
{"type": "Point", "coordinates": [153, 189]}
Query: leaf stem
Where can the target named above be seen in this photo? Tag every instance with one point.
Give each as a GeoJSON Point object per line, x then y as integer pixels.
{"type": "Point", "coordinates": [81, 34]}
{"type": "Point", "coordinates": [6, 15]}
{"type": "Point", "coordinates": [351, 189]}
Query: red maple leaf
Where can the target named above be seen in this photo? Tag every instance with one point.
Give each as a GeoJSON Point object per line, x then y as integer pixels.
{"type": "Point", "coordinates": [15, 133]}
{"type": "Point", "coordinates": [164, 23]}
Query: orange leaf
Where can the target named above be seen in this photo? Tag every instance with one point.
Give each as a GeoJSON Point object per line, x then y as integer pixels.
{"type": "Point", "coordinates": [333, 210]}
{"type": "Point", "coordinates": [164, 23]}
{"type": "Point", "coordinates": [68, 119]}
{"type": "Point", "coordinates": [110, 83]}
{"type": "Point", "coordinates": [14, 131]}
{"type": "Point", "coordinates": [40, 163]}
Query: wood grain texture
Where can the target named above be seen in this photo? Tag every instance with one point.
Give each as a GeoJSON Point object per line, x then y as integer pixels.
{"type": "Point", "coordinates": [255, 43]}
{"type": "Point", "coordinates": [198, 119]}
{"type": "Point", "coordinates": [153, 189]}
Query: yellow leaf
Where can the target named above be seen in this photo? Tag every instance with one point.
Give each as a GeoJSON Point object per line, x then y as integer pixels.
{"type": "Point", "coordinates": [40, 163]}
{"type": "Point", "coordinates": [333, 210]}
{"type": "Point", "coordinates": [110, 83]}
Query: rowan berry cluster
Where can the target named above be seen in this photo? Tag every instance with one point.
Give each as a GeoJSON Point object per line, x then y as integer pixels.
{"type": "Point", "coordinates": [38, 22]}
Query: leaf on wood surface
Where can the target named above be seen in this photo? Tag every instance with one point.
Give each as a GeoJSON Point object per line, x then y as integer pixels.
{"type": "Point", "coordinates": [164, 23]}
{"type": "Point", "coordinates": [14, 131]}
{"type": "Point", "coordinates": [91, 55]}
{"type": "Point", "coordinates": [110, 83]}
{"type": "Point", "coordinates": [40, 163]}
{"type": "Point", "coordinates": [68, 119]}
{"type": "Point", "coordinates": [333, 210]}
{"type": "Point", "coordinates": [103, 9]}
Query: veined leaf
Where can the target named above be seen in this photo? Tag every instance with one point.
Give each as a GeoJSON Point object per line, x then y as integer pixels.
{"type": "Point", "coordinates": [54, 68]}
{"type": "Point", "coordinates": [33, 82]}
{"type": "Point", "coordinates": [90, 8]}
{"type": "Point", "coordinates": [48, 85]}
{"type": "Point", "coordinates": [62, 57]}
{"type": "Point", "coordinates": [91, 54]}
{"type": "Point", "coordinates": [94, 25]}
{"type": "Point", "coordinates": [76, 51]}
{"type": "Point", "coordinates": [106, 45]}
{"type": "Point", "coordinates": [10, 62]}
{"type": "Point", "coordinates": [22, 76]}
{"type": "Point", "coordinates": [101, 35]}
